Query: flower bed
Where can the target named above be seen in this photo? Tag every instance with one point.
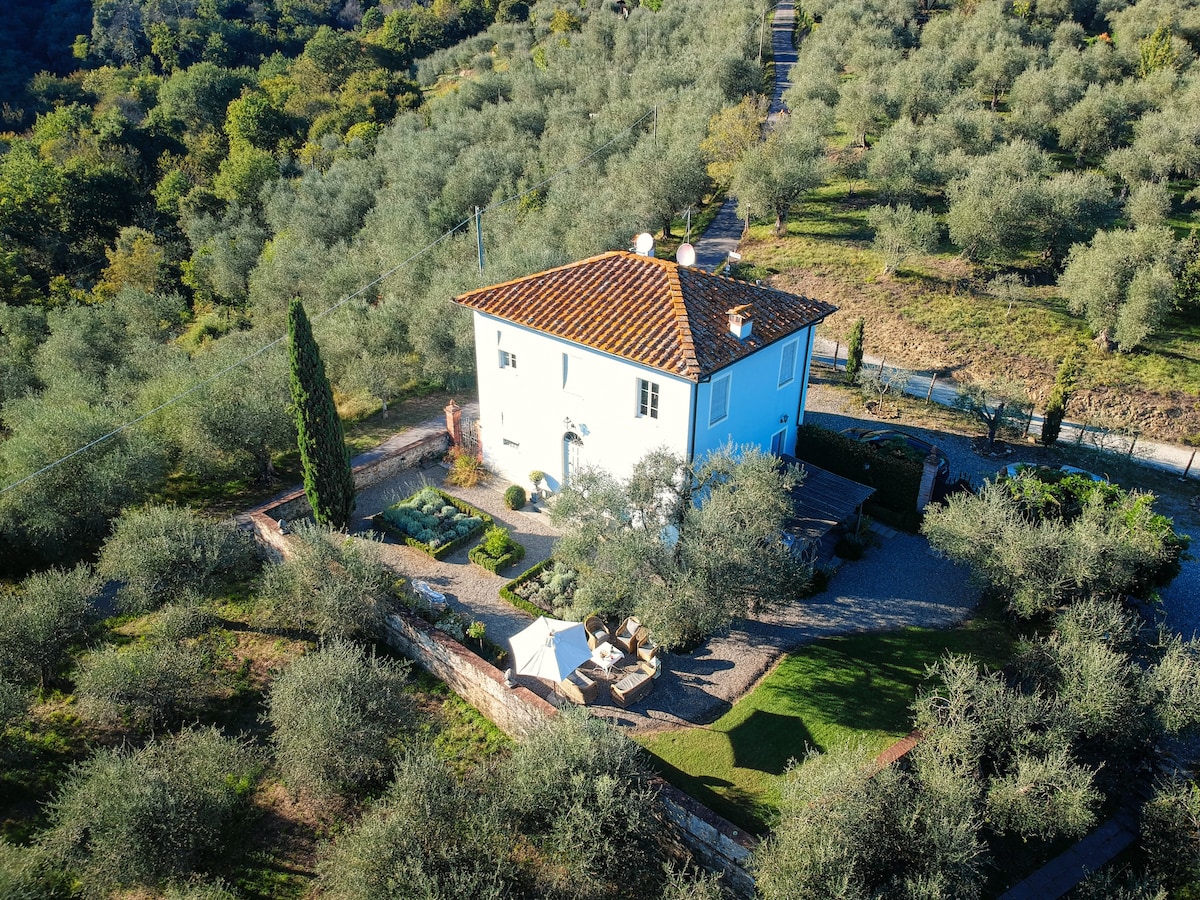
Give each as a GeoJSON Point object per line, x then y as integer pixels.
{"type": "Point", "coordinates": [496, 551]}
{"type": "Point", "coordinates": [541, 589]}
{"type": "Point", "coordinates": [433, 521]}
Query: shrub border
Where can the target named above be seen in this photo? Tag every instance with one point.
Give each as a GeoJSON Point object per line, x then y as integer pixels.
{"type": "Point", "coordinates": [449, 547]}
{"type": "Point", "coordinates": [494, 564]}
{"type": "Point", "coordinates": [507, 592]}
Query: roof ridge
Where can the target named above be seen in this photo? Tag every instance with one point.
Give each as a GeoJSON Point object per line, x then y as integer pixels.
{"type": "Point", "coordinates": [570, 265]}
{"type": "Point", "coordinates": [683, 324]}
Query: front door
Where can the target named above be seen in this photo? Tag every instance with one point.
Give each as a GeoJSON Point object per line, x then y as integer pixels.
{"type": "Point", "coordinates": [777, 442]}
{"type": "Point", "coordinates": [572, 446]}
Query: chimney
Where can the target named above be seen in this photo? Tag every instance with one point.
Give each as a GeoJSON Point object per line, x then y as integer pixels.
{"type": "Point", "coordinates": [741, 320]}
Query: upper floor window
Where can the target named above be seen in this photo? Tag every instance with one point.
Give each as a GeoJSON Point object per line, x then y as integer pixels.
{"type": "Point", "coordinates": [508, 360]}
{"type": "Point", "coordinates": [647, 398]}
{"type": "Point", "coordinates": [787, 363]}
{"type": "Point", "coordinates": [718, 408]}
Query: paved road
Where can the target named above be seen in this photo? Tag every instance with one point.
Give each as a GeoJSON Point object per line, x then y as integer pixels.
{"type": "Point", "coordinates": [724, 233]}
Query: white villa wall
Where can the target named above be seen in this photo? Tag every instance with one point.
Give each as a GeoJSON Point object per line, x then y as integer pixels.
{"type": "Point", "coordinates": [757, 401]}
{"type": "Point", "coordinates": [527, 405]}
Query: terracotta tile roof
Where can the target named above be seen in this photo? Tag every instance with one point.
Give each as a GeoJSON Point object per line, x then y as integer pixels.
{"type": "Point", "coordinates": [653, 312]}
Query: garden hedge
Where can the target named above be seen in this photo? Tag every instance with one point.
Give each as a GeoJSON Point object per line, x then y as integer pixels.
{"type": "Point", "coordinates": [494, 564]}
{"type": "Point", "coordinates": [896, 479]}
{"type": "Point", "coordinates": [507, 592]}
{"type": "Point", "coordinates": [444, 550]}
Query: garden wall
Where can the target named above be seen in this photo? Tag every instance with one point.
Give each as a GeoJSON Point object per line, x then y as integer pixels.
{"type": "Point", "coordinates": [515, 711]}
{"type": "Point", "coordinates": [401, 451]}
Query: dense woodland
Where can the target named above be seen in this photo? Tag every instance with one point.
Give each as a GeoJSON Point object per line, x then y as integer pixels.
{"type": "Point", "coordinates": [161, 211]}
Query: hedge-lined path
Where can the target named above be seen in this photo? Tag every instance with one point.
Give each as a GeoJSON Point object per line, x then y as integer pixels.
{"type": "Point", "coordinates": [470, 590]}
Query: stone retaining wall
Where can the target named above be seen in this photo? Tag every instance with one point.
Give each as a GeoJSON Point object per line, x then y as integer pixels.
{"type": "Point", "coordinates": [716, 841]}
{"type": "Point", "coordinates": [516, 711]}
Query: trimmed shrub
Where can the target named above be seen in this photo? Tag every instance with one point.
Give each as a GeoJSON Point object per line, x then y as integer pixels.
{"type": "Point", "coordinates": [422, 521]}
{"type": "Point", "coordinates": [509, 591]}
{"type": "Point", "coordinates": [497, 550]}
{"type": "Point", "coordinates": [545, 588]}
{"type": "Point", "coordinates": [895, 477]}
{"type": "Point", "coordinates": [514, 497]}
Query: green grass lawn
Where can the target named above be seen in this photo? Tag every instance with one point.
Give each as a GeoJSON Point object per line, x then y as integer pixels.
{"type": "Point", "coordinates": [851, 688]}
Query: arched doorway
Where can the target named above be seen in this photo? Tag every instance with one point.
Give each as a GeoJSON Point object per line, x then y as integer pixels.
{"type": "Point", "coordinates": [572, 448]}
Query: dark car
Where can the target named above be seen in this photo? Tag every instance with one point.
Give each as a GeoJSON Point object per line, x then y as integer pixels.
{"type": "Point", "coordinates": [910, 444]}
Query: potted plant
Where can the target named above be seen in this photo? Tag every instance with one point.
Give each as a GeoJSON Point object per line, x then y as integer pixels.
{"type": "Point", "coordinates": [536, 477]}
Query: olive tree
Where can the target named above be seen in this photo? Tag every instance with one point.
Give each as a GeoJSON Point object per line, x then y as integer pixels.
{"type": "Point", "coordinates": [168, 554]}
{"type": "Point", "coordinates": [336, 714]}
{"type": "Point", "coordinates": [997, 404]}
{"type": "Point", "coordinates": [42, 620]}
{"type": "Point", "coordinates": [139, 818]}
{"type": "Point", "coordinates": [687, 547]}
{"type": "Point", "coordinates": [1123, 283]}
{"type": "Point", "coordinates": [149, 684]}
{"type": "Point", "coordinates": [1043, 540]}
{"type": "Point", "coordinates": [772, 177]}
{"type": "Point", "coordinates": [445, 838]}
{"type": "Point", "coordinates": [901, 232]}
{"type": "Point", "coordinates": [333, 586]}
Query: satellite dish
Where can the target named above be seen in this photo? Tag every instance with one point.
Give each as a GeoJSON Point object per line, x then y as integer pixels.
{"type": "Point", "coordinates": [644, 244]}
{"type": "Point", "coordinates": [686, 255]}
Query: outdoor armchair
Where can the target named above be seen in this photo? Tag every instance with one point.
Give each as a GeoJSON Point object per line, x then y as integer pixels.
{"type": "Point", "coordinates": [597, 634]}
{"type": "Point", "coordinates": [646, 648]}
{"type": "Point", "coordinates": [625, 636]}
{"type": "Point", "coordinates": [578, 688]}
{"type": "Point", "coordinates": [632, 688]}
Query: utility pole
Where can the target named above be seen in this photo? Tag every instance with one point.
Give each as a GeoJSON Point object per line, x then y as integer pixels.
{"type": "Point", "coordinates": [479, 236]}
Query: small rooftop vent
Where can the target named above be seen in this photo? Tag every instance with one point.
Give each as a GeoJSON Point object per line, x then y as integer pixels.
{"type": "Point", "coordinates": [741, 320]}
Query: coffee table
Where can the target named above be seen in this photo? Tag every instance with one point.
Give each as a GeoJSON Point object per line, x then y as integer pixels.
{"type": "Point", "coordinates": [606, 656]}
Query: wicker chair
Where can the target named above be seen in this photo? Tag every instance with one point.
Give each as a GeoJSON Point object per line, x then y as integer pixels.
{"type": "Point", "coordinates": [597, 634]}
{"type": "Point", "coordinates": [632, 688]}
{"type": "Point", "coordinates": [626, 635]}
{"type": "Point", "coordinates": [578, 688]}
{"type": "Point", "coordinates": [646, 648]}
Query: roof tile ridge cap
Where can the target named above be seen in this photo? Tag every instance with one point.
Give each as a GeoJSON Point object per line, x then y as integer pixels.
{"type": "Point", "coordinates": [571, 265]}
{"type": "Point", "coordinates": [687, 343]}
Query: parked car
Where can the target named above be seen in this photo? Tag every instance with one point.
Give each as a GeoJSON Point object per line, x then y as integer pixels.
{"type": "Point", "coordinates": [912, 445]}
{"type": "Point", "coordinates": [1012, 470]}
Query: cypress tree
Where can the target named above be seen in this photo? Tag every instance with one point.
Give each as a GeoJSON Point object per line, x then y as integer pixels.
{"type": "Point", "coordinates": [1056, 405]}
{"type": "Point", "coordinates": [854, 350]}
{"type": "Point", "coordinates": [323, 455]}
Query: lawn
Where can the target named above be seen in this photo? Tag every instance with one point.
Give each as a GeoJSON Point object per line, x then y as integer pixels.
{"type": "Point", "coordinates": [849, 688]}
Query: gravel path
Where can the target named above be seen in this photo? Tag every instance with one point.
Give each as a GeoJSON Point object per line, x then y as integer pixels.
{"type": "Point", "coordinates": [468, 588]}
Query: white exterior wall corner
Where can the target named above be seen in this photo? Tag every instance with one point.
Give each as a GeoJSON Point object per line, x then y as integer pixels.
{"type": "Point", "coordinates": [524, 409]}
{"type": "Point", "coordinates": [756, 400]}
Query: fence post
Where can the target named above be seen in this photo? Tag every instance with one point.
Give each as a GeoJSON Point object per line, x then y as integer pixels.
{"type": "Point", "coordinates": [1188, 468]}
{"type": "Point", "coordinates": [1082, 429]}
{"type": "Point", "coordinates": [1028, 422]}
{"type": "Point", "coordinates": [837, 349]}
{"type": "Point", "coordinates": [932, 382]}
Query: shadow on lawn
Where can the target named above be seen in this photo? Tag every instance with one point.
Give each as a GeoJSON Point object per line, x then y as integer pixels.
{"type": "Point", "coordinates": [768, 741]}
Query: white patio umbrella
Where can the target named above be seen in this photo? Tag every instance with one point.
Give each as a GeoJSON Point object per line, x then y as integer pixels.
{"type": "Point", "coordinates": [550, 648]}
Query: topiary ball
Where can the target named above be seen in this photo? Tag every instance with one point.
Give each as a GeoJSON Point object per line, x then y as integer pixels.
{"type": "Point", "coordinates": [514, 497]}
